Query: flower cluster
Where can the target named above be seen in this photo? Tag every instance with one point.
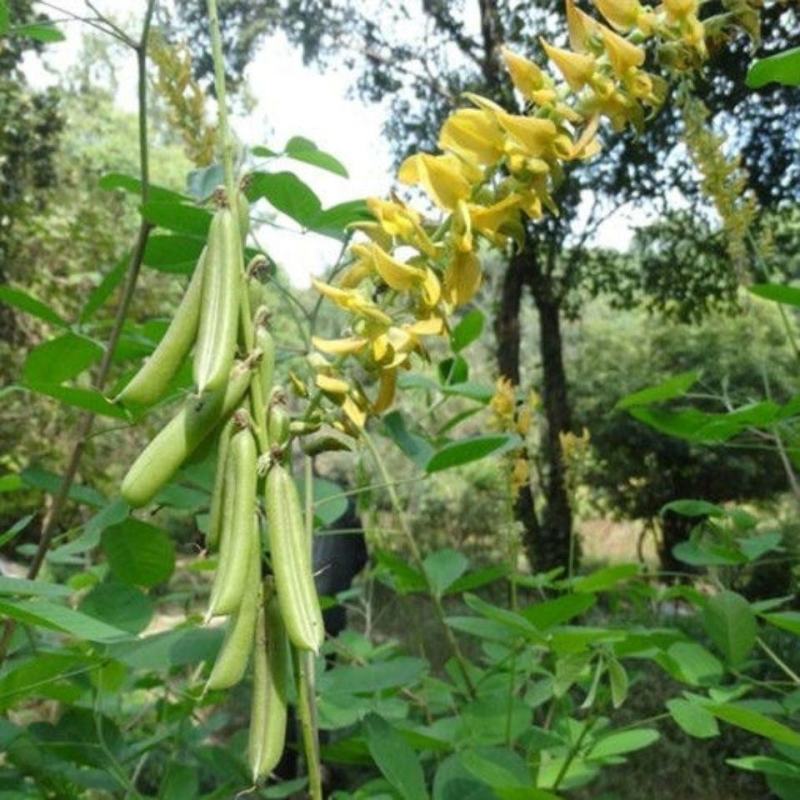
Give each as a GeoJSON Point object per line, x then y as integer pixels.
{"type": "Point", "coordinates": [496, 170]}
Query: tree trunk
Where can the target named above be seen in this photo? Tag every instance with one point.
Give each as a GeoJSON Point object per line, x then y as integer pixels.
{"type": "Point", "coordinates": [507, 332]}
{"type": "Point", "coordinates": [556, 525]}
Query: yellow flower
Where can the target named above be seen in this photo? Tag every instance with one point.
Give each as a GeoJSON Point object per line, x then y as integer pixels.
{"type": "Point", "coordinates": [395, 218]}
{"type": "Point", "coordinates": [339, 347]}
{"type": "Point", "coordinates": [490, 219]}
{"type": "Point", "coordinates": [538, 137]}
{"type": "Point", "coordinates": [680, 9]}
{"type": "Point", "coordinates": [622, 14]}
{"type": "Point", "coordinates": [386, 390]}
{"type": "Point", "coordinates": [472, 134]}
{"type": "Point", "coordinates": [442, 177]}
{"type": "Point", "coordinates": [504, 399]}
{"type": "Point", "coordinates": [577, 68]}
{"type": "Point", "coordinates": [330, 385]}
{"type": "Point", "coordinates": [461, 228]}
{"type": "Point", "coordinates": [581, 27]}
{"type": "Point", "coordinates": [352, 301]}
{"type": "Point", "coordinates": [462, 278]}
{"type": "Point", "coordinates": [525, 75]}
{"type": "Point", "coordinates": [397, 275]}
{"type": "Point", "coordinates": [520, 474]}
{"type": "Point", "coordinates": [623, 55]}
{"type": "Point", "coordinates": [354, 412]}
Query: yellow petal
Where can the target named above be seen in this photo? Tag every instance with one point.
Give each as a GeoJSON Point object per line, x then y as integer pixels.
{"type": "Point", "coordinates": [681, 9]}
{"type": "Point", "coordinates": [380, 347]}
{"type": "Point", "coordinates": [577, 68]}
{"type": "Point", "coordinates": [581, 28]}
{"type": "Point", "coordinates": [432, 326]}
{"type": "Point", "coordinates": [462, 278]}
{"type": "Point", "coordinates": [489, 219]}
{"type": "Point", "coordinates": [441, 176]}
{"type": "Point", "coordinates": [374, 231]}
{"type": "Point", "coordinates": [622, 14]}
{"type": "Point", "coordinates": [536, 136]}
{"type": "Point", "coordinates": [461, 228]}
{"type": "Point", "coordinates": [331, 385]}
{"type": "Point", "coordinates": [623, 55]}
{"type": "Point", "coordinates": [401, 277]}
{"type": "Point", "coordinates": [525, 75]}
{"type": "Point", "coordinates": [353, 412]}
{"type": "Point", "coordinates": [342, 297]}
{"type": "Point", "coordinates": [395, 218]}
{"type": "Point", "coordinates": [431, 289]}
{"type": "Point", "coordinates": [339, 347]}
{"type": "Point", "coordinates": [472, 134]}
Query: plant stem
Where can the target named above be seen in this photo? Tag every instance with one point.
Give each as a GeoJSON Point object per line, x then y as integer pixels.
{"type": "Point", "coordinates": [573, 752]}
{"type": "Point", "coordinates": [305, 664]}
{"type": "Point", "coordinates": [416, 555]}
{"type": "Point", "coordinates": [222, 105]}
{"type": "Point", "coordinates": [779, 662]}
{"type": "Point", "coordinates": [53, 516]}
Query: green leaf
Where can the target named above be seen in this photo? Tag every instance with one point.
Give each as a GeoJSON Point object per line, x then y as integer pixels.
{"type": "Point", "coordinates": [692, 718]}
{"type": "Point", "coordinates": [701, 554]}
{"type": "Point", "coordinates": [333, 221]}
{"type": "Point", "coordinates": [181, 782]}
{"type": "Point", "coordinates": [453, 370]}
{"type": "Point", "coordinates": [756, 722]}
{"type": "Point", "coordinates": [468, 330]}
{"type": "Point", "coordinates": [691, 663]}
{"type": "Point", "coordinates": [513, 621]}
{"type": "Point", "coordinates": [375, 677]}
{"type": "Point", "coordinates": [101, 292]}
{"type": "Point", "coordinates": [30, 305]}
{"type": "Point", "coordinates": [23, 586]}
{"type": "Point", "coordinates": [47, 481]}
{"type": "Point", "coordinates": [46, 34]}
{"type": "Point", "coordinates": [139, 553]}
{"type": "Point", "coordinates": [45, 614]}
{"type": "Point", "coordinates": [178, 217]}
{"type": "Point", "coordinates": [786, 620]}
{"type": "Point", "coordinates": [465, 451]}
{"type": "Point", "coordinates": [497, 767]}
{"type": "Point", "coordinates": [172, 253]}
{"type": "Point", "coordinates": [87, 399]}
{"type": "Point", "coordinates": [693, 508]}
{"type": "Point", "coordinates": [34, 675]}
{"type": "Point", "coordinates": [396, 760]}
{"type": "Point", "coordinates": [175, 648]}
{"type": "Point", "coordinates": [419, 450]}
{"type": "Point", "coordinates": [288, 194]}
{"type": "Point", "coordinates": [616, 744]}
{"type": "Point", "coordinates": [329, 504]}
{"type": "Point", "coordinates": [60, 359]}
{"type": "Point", "coordinates": [201, 183]}
{"type": "Point", "coordinates": [469, 389]}
{"type": "Point", "coordinates": [766, 765]}
{"type": "Point", "coordinates": [778, 293]}
{"type": "Point", "coordinates": [783, 68]}
{"type": "Point", "coordinates": [618, 681]}
{"type": "Point", "coordinates": [731, 624]}
{"type": "Point", "coordinates": [548, 613]}
{"type": "Point", "coordinates": [453, 782]}
{"type": "Point", "coordinates": [15, 529]}
{"type": "Point", "coordinates": [677, 386]}
{"type": "Point", "coordinates": [128, 183]}
{"type": "Point", "coordinates": [480, 577]}
{"type": "Point", "coordinates": [4, 19]}
{"type": "Point", "coordinates": [305, 150]}
{"type": "Point", "coordinates": [10, 483]}
{"type": "Point", "coordinates": [607, 578]}
{"type": "Point", "coordinates": [443, 568]}
{"type": "Point", "coordinates": [120, 605]}
{"type": "Point", "coordinates": [404, 578]}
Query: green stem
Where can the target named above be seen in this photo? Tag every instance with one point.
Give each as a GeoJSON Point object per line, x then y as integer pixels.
{"type": "Point", "coordinates": [416, 555]}
{"type": "Point", "coordinates": [222, 104]}
{"type": "Point", "coordinates": [778, 661]}
{"type": "Point", "coordinates": [573, 752]}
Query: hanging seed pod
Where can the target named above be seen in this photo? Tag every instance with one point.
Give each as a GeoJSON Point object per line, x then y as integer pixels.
{"type": "Point", "coordinates": [278, 420]}
{"type": "Point", "coordinates": [161, 459]}
{"type": "Point", "coordinates": [243, 216]}
{"type": "Point", "coordinates": [151, 382]}
{"type": "Point", "coordinates": [231, 663]}
{"type": "Point", "coordinates": [219, 312]}
{"type": "Point", "coordinates": [291, 561]}
{"type": "Point", "coordinates": [218, 493]}
{"type": "Point", "coordinates": [266, 344]}
{"type": "Point", "coordinates": [241, 528]}
{"type": "Point", "coordinates": [270, 678]}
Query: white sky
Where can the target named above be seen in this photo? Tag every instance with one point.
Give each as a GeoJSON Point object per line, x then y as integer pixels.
{"type": "Point", "coordinates": [292, 100]}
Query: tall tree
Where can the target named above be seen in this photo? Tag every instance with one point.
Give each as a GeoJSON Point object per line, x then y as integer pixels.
{"type": "Point", "coordinates": [423, 62]}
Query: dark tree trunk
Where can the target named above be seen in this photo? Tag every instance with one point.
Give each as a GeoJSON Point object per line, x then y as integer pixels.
{"type": "Point", "coordinates": [507, 332]}
{"type": "Point", "coordinates": [556, 524]}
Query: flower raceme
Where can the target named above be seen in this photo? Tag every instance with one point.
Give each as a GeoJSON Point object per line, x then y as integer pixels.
{"type": "Point", "coordinates": [495, 170]}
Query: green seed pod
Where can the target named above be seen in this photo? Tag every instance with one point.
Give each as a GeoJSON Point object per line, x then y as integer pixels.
{"type": "Point", "coordinates": [278, 424]}
{"type": "Point", "coordinates": [231, 663]}
{"type": "Point", "coordinates": [219, 312]}
{"type": "Point", "coordinates": [218, 493]}
{"type": "Point", "coordinates": [243, 216]}
{"type": "Point", "coordinates": [270, 679]}
{"type": "Point", "coordinates": [150, 383]}
{"type": "Point", "coordinates": [266, 343]}
{"type": "Point", "coordinates": [291, 561]}
{"type": "Point", "coordinates": [239, 538]}
{"type": "Point", "coordinates": [175, 442]}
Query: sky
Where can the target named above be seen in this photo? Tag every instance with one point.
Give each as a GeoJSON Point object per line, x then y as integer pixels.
{"type": "Point", "coordinates": [292, 100]}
